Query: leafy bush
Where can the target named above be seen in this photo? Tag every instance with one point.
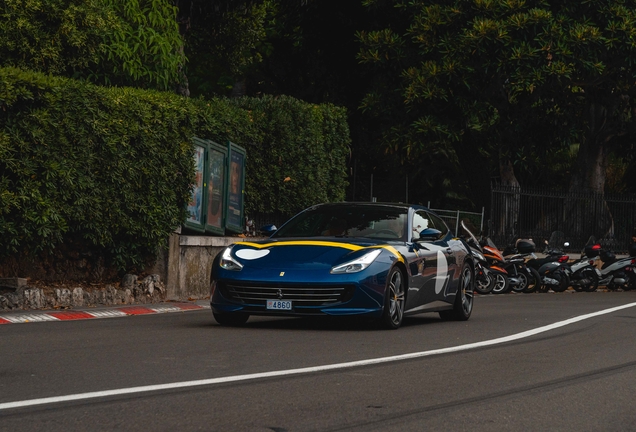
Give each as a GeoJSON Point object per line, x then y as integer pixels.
{"type": "Point", "coordinates": [110, 170]}
{"type": "Point", "coordinates": [299, 157]}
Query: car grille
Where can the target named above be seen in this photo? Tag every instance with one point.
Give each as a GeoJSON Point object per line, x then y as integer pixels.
{"type": "Point", "coordinates": [300, 295]}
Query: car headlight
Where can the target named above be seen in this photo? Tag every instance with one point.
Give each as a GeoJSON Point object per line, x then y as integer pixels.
{"type": "Point", "coordinates": [357, 264]}
{"type": "Point", "coordinates": [228, 262]}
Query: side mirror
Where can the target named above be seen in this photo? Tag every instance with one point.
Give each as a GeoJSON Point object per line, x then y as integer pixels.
{"type": "Point", "coordinates": [268, 230]}
{"type": "Point", "coordinates": [429, 234]}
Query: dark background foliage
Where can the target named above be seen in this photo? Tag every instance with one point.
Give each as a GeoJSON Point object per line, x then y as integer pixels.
{"type": "Point", "coordinates": [110, 170]}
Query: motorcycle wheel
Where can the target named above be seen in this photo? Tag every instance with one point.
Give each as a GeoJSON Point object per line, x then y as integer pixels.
{"type": "Point", "coordinates": [630, 283]}
{"type": "Point", "coordinates": [564, 282]}
{"type": "Point", "coordinates": [499, 283]}
{"type": "Point", "coordinates": [534, 281]}
{"type": "Point", "coordinates": [524, 280]}
{"type": "Point", "coordinates": [590, 275]}
{"type": "Point", "coordinates": [483, 284]}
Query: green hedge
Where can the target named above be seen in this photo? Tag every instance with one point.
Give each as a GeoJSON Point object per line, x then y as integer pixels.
{"type": "Point", "coordinates": [110, 170]}
{"type": "Point", "coordinates": [299, 158]}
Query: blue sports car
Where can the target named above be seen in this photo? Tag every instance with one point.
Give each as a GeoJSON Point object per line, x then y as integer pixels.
{"type": "Point", "coordinates": [381, 261]}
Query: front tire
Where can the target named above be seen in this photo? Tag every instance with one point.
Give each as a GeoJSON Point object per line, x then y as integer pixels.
{"type": "Point", "coordinates": [463, 305]}
{"type": "Point", "coordinates": [500, 283]}
{"type": "Point", "coordinates": [395, 295]}
{"type": "Point", "coordinates": [232, 319]}
{"type": "Point", "coordinates": [535, 283]}
{"type": "Point", "coordinates": [483, 283]}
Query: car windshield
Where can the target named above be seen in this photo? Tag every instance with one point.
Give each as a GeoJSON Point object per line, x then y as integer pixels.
{"type": "Point", "coordinates": [375, 222]}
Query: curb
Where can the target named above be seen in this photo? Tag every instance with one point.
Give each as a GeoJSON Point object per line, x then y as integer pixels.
{"type": "Point", "coordinates": [74, 315]}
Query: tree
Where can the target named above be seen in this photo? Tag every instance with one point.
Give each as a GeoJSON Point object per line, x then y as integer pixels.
{"type": "Point", "coordinates": [225, 40]}
{"type": "Point", "coordinates": [116, 42]}
{"type": "Point", "coordinates": [485, 73]}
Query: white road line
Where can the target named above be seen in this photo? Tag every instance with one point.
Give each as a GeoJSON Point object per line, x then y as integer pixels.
{"type": "Point", "coordinates": [165, 309]}
{"type": "Point", "coordinates": [24, 318]}
{"type": "Point", "coordinates": [306, 370]}
{"type": "Point", "coordinates": [107, 313]}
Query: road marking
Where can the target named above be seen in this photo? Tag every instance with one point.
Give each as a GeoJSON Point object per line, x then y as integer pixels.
{"type": "Point", "coordinates": [71, 315]}
{"type": "Point", "coordinates": [25, 318]}
{"type": "Point", "coordinates": [12, 318]}
{"type": "Point", "coordinates": [306, 370]}
{"type": "Point", "coordinates": [114, 313]}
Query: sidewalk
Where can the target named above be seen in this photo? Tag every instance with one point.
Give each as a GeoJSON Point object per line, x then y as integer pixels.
{"type": "Point", "coordinates": [22, 316]}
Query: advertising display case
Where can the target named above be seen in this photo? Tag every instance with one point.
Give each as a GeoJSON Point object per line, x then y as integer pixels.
{"type": "Point", "coordinates": [216, 189]}
{"type": "Point", "coordinates": [217, 201]}
{"type": "Point", "coordinates": [196, 206]}
{"type": "Point", "coordinates": [236, 172]}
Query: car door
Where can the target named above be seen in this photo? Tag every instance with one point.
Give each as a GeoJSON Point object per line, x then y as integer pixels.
{"type": "Point", "coordinates": [447, 277]}
{"type": "Point", "coordinates": [424, 287]}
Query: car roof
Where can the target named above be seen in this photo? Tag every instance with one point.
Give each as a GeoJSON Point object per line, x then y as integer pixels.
{"type": "Point", "coordinates": [370, 204]}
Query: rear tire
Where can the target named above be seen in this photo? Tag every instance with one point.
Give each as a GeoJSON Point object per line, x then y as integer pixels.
{"type": "Point", "coordinates": [463, 305]}
{"type": "Point", "coordinates": [394, 298]}
{"type": "Point", "coordinates": [564, 282]}
{"type": "Point", "coordinates": [591, 275]}
{"type": "Point", "coordinates": [231, 319]}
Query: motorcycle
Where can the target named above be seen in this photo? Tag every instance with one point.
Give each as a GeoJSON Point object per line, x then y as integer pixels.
{"type": "Point", "coordinates": [484, 277]}
{"type": "Point", "coordinates": [501, 279]}
{"type": "Point", "coordinates": [618, 273]}
{"type": "Point", "coordinates": [585, 276]}
{"type": "Point", "coordinates": [553, 268]}
{"type": "Point", "coordinates": [522, 277]}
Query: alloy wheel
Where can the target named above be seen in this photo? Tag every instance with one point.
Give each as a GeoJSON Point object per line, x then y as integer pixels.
{"type": "Point", "coordinates": [396, 298]}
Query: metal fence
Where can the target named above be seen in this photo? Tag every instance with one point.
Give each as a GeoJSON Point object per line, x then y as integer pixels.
{"type": "Point", "coordinates": [536, 213]}
{"type": "Point", "coordinates": [453, 217]}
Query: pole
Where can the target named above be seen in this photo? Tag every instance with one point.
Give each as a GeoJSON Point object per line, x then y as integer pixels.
{"type": "Point", "coordinates": [407, 190]}
{"type": "Point", "coordinates": [457, 223]}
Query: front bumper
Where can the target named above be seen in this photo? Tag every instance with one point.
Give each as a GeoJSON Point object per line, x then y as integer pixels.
{"type": "Point", "coordinates": [336, 298]}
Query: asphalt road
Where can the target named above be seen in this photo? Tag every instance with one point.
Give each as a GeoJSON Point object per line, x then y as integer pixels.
{"type": "Point", "coordinates": [580, 376]}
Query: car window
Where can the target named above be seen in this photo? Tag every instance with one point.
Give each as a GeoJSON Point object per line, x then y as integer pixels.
{"type": "Point", "coordinates": [438, 223]}
{"type": "Point", "coordinates": [378, 222]}
{"type": "Point", "coordinates": [420, 223]}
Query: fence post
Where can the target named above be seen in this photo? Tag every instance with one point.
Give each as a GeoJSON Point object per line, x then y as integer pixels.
{"type": "Point", "coordinates": [482, 221]}
{"type": "Point", "coordinates": [457, 224]}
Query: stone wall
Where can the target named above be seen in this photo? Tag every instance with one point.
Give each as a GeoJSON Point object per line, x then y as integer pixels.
{"type": "Point", "coordinates": [190, 264]}
{"type": "Point", "coordinates": [180, 273]}
{"type": "Point", "coordinates": [130, 291]}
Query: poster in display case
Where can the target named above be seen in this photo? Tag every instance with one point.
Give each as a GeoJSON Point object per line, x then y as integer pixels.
{"type": "Point", "coordinates": [216, 189]}
{"type": "Point", "coordinates": [197, 204]}
{"type": "Point", "coordinates": [236, 171]}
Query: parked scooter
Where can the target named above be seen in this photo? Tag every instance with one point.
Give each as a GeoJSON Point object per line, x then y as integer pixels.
{"type": "Point", "coordinates": [585, 276]}
{"type": "Point", "coordinates": [553, 269]}
{"type": "Point", "coordinates": [618, 273]}
{"type": "Point", "coordinates": [527, 279]}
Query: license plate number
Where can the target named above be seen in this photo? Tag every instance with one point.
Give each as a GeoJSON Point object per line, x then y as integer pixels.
{"type": "Point", "coordinates": [279, 304]}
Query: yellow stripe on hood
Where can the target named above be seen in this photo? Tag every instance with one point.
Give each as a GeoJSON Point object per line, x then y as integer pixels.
{"type": "Point", "coordinates": [349, 246]}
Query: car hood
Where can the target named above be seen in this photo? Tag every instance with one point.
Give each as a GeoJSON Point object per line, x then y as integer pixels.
{"type": "Point", "coordinates": [307, 253]}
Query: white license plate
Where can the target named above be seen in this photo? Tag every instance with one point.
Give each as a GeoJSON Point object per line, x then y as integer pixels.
{"type": "Point", "coordinates": [279, 304]}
